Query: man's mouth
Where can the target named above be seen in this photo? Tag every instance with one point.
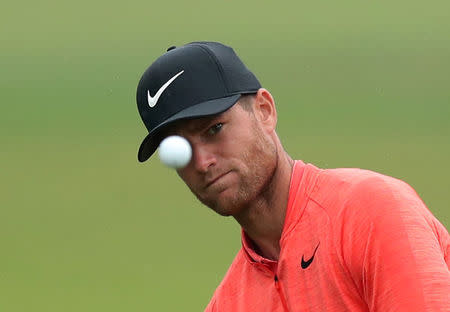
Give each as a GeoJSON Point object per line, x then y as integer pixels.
{"type": "Point", "coordinates": [215, 179]}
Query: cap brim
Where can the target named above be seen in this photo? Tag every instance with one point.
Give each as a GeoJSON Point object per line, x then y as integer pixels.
{"type": "Point", "coordinates": [208, 108]}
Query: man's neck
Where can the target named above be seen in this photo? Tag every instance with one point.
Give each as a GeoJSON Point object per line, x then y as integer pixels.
{"type": "Point", "coordinates": [263, 220]}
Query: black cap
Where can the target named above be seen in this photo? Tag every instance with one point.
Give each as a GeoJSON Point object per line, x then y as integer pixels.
{"type": "Point", "coordinates": [195, 80]}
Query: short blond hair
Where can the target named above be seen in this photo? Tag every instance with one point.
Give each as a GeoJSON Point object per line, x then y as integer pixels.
{"type": "Point", "coordinates": [246, 102]}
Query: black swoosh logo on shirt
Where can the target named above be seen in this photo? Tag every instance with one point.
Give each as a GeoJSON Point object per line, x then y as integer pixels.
{"type": "Point", "coordinates": [306, 264]}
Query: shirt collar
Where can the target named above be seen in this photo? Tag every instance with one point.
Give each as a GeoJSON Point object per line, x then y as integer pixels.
{"type": "Point", "coordinates": [247, 244]}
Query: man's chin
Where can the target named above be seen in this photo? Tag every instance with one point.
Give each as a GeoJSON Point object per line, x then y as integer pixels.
{"type": "Point", "coordinates": [226, 206]}
{"type": "Point", "coordinates": [225, 211]}
{"type": "Point", "coordinates": [227, 201]}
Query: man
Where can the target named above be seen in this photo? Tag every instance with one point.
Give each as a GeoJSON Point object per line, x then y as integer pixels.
{"type": "Point", "coordinates": [312, 239]}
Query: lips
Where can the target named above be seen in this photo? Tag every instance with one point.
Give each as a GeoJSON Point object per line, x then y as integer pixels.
{"type": "Point", "coordinates": [212, 181]}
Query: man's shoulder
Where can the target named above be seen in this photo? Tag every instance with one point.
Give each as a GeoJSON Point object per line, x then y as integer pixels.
{"type": "Point", "coordinates": [354, 176]}
{"type": "Point", "coordinates": [361, 191]}
{"type": "Point", "coordinates": [230, 285]}
{"type": "Point", "coordinates": [343, 179]}
{"type": "Point", "coordinates": [345, 182]}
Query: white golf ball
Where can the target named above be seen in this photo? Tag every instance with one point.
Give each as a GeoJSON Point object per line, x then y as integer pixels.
{"type": "Point", "coordinates": [175, 152]}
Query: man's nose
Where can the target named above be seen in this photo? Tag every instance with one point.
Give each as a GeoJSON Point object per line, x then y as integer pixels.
{"type": "Point", "coordinates": [203, 157]}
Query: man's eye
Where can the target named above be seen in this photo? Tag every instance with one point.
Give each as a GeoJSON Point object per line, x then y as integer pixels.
{"type": "Point", "coordinates": [215, 129]}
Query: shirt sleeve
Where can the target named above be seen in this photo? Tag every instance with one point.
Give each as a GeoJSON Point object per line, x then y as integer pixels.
{"type": "Point", "coordinates": [211, 307]}
{"type": "Point", "coordinates": [394, 249]}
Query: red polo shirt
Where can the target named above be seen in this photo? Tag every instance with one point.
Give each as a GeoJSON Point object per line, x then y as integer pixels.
{"type": "Point", "coordinates": [353, 240]}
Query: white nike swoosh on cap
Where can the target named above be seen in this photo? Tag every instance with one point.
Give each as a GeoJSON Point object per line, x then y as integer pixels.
{"type": "Point", "coordinates": [153, 100]}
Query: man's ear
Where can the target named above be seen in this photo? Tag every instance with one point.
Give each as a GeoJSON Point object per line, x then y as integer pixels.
{"type": "Point", "coordinates": [264, 108]}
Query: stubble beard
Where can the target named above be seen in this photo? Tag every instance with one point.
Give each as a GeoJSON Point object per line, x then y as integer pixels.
{"type": "Point", "coordinates": [261, 159]}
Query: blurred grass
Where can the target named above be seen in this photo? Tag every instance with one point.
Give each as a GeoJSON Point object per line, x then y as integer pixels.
{"type": "Point", "coordinates": [84, 227]}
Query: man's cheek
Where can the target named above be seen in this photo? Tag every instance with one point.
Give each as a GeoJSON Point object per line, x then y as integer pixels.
{"type": "Point", "coordinates": [182, 173]}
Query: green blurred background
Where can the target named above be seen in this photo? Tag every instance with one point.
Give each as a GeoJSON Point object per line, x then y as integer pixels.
{"type": "Point", "coordinates": [85, 227]}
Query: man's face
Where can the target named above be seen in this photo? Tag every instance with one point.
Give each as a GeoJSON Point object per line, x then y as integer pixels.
{"type": "Point", "coordinates": [233, 161]}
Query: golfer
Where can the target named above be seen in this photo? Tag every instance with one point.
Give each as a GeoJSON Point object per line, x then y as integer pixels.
{"type": "Point", "coordinates": [312, 239]}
